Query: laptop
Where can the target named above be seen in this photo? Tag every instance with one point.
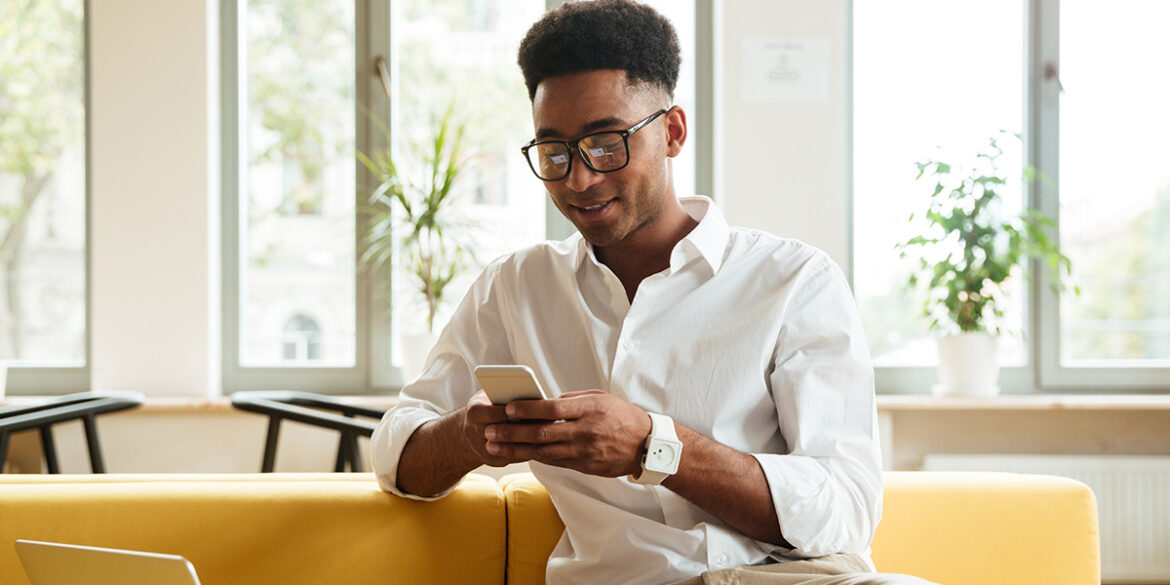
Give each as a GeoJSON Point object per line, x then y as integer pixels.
{"type": "Point", "coordinates": [48, 563]}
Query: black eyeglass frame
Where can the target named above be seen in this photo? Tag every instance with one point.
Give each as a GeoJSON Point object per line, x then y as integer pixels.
{"type": "Point", "coordinates": [575, 146]}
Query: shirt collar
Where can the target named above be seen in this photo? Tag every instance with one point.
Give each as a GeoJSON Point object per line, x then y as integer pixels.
{"type": "Point", "coordinates": [708, 240]}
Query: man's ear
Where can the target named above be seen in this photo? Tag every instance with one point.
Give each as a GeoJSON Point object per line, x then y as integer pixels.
{"type": "Point", "coordinates": [676, 130]}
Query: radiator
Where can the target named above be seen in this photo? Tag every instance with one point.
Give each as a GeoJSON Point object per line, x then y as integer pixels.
{"type": "Point", "coordinates": [1133, 504]}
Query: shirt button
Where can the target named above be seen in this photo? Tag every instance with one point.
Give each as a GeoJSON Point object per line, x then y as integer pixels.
{"type": "Point", "coordinates": [628, 344]}
{"type": "Point", "coordinates": [721, 560]}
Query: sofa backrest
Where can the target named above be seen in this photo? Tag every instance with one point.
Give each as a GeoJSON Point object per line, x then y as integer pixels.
{"type": "Point", "coordinates": [960, 528]}
{"type": "Point", "coordinates": [294, 529]}
{"type": "Point", "coordinates": [954, 528]}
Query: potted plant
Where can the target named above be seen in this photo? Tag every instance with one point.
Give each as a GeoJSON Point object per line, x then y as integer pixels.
{"type": "Point", "coordinates": [410, 217]}
{"type": "Point", "coordinates": [970, 247]}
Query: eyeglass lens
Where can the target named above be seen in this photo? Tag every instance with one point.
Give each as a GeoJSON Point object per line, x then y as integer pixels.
{"type": "Point", "coordinates": [603, 152]}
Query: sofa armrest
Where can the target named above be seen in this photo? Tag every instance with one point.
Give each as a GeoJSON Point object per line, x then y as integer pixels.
{"type": "Point", "coordinates": [975, 528]}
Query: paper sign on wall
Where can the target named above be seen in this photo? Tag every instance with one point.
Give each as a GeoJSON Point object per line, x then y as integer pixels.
{"type": "Point", "coordinates": [784, 70]}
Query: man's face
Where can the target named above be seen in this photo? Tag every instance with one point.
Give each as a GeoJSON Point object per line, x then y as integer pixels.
{"type": "Point", "coordinates": [607, 208]}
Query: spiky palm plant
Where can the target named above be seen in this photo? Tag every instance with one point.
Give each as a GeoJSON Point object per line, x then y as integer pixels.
{"type": "Point", "coordinates": [409, 212]}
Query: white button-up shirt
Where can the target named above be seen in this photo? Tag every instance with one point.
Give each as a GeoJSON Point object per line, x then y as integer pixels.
{"type": "Point", "coordinates": [749, 339]}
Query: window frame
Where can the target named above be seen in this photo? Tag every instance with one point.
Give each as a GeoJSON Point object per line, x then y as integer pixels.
{"type": "Point", "coordinates": [1042, 371]}
{"type": "Point", "coordinates": [55, 380]}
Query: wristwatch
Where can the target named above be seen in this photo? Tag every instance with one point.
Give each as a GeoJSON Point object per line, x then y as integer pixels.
{"type": "Point", "coordinates": [661, 453]}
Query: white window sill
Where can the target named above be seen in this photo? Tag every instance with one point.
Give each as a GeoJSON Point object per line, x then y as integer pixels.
{"type": "Point", "coordinates": [908, 402]}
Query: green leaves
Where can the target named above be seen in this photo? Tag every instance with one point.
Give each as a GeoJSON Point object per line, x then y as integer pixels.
{"type": "Point", "coordinates": [409, 211]}
{"type": "Point", "coordinates": [969, 250]}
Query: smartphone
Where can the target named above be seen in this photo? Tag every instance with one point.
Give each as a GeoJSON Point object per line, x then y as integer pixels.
{"type": "Point", "coordinates": [506, 383]}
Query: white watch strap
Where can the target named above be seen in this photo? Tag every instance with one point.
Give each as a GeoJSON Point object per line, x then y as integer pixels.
{"type": "Point", "coordinates": [661, 426]}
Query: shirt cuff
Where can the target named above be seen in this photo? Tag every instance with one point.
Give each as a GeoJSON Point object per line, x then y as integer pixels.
{"type": "Point", "coordinates": [387, 443]}
{"type": "Point", "coordinates": [807, 505]}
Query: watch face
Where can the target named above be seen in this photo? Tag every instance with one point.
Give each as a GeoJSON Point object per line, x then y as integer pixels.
{"type": "Point", "coordinates": [661, 457]}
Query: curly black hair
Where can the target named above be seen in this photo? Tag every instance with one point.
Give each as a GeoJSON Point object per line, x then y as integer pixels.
{"type": "Point", "coordinates": [606, 34]}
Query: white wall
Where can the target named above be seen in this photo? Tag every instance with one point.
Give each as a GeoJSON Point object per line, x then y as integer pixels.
{"type": "Point", "coordinates": [154, 196]}
{"type": "Point", "coordinates": [784, 167]}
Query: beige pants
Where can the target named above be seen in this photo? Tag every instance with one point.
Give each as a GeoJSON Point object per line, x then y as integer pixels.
{"type": "Point", "coordinates": [831, 570]}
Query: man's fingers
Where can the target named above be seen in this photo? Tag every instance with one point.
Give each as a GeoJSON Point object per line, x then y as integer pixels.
{"type": "Point", "coordinates": [551, 453]}
{"type": "Point", "coordinates": [486, 414]}
{"type": "Point", "coordinates": [551, 409]}
{"type": "Point", "coordinates": [553, 432]}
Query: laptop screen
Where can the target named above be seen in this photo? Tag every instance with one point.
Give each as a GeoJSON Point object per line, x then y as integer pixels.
{"type": "Point", "coordinates": [48, 563]}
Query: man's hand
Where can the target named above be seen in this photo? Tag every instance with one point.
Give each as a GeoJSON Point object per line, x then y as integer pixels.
{"type": "Point", "coordinates": [593, 432]}
{"type": "Point", "coordinates": [477, 415]}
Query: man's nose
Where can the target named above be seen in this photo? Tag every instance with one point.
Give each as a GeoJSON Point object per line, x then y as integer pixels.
{"type": "Point", "coordinates": [581, 177]}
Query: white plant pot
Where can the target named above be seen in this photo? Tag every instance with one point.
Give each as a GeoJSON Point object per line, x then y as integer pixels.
{"type": "Point", "coordinates": [415, 349]}
{"type": "Point", "coordinates": [968, 365]}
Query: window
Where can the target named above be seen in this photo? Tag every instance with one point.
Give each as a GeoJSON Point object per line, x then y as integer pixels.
{"type": "Point", "coordinates": [291, 93]}
{"type": "Point", "coordinates": [936, 80]}
{"type": "Point", "coordinates": [43, 195]}
{"type": "Point", "coordinates": [297, 234]}
{"type": "Point", "coordinates": [303, 94]}
{"type": "Point", "coordinates": [1100, 121]}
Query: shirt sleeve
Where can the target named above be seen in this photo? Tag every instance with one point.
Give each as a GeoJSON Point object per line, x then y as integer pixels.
{"type": "Point", "coordinates": [827, 489]}
{"type": "Point", "coordinates": [475, 335]}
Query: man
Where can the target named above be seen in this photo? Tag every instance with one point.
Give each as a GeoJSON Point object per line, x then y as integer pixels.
{"type": "Point", "coordinates": [657, 328]}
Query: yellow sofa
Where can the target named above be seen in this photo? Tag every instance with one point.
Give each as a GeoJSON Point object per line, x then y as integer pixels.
{"type": "Point", "coordinates": [261, 529]}
{"type": "Point", "coordinates": [953, 528]}
{"type": "Point", "coordinates": [309, 529]}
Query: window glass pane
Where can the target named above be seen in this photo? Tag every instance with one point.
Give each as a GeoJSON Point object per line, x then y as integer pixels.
{"type": "Point", "coordinates": [42, 183]}
{"type": "Point", "coordinates": [932, 80]}
{"type": "Point", "coordinates": [297, 263]}
{"type": "Point", "coordinates": [463, 53]}
{"type": "Point", "coordinates": [1115, 180]}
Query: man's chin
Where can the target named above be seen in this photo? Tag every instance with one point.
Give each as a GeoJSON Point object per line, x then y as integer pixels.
{"type": "Point", "coordinates": [598, 237]}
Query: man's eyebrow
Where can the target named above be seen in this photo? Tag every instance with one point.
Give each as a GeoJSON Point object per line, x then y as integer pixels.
{"type": "Point", "coordinates": [602, 123]}
{"type": "Point", "coordinates": [587, 128]}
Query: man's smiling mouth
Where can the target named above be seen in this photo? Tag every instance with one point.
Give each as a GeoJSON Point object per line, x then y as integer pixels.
{"type": "Point", "coordinates": [594, 207]}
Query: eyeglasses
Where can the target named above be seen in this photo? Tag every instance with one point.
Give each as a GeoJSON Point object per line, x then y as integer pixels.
{"type": "Point", "coordinates": [604, 152]}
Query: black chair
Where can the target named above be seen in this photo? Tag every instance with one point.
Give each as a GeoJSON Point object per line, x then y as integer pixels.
{"type": "Point", "coordinates": [307, 408]}
{"type": "Point", "coordinates": [85, 406]}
